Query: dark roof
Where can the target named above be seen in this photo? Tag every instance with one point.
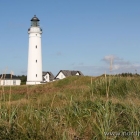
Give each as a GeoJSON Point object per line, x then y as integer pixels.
{"type": "Point", "coordinates": [8, 76]}
{"type": "Point", "coordinates": [51, 75]}
{"type": "Point", "coordinates": [69, 73]}
{"type": "Point", "coordinates": [66, 72]}
{"type": "Point", "coordinates": [44, 73]}
{"type": "Point", "coordinates": [35, 18]}
{"type": "Point", "coordinates": [74, 72]}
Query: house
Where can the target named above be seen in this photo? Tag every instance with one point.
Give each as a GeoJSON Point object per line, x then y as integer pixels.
{"type": "Point", "coordinates": [7, 80]}
{"type": "Point", "coordinates": [65, 73]}
{"type": "Point", "coordinates": [47, 76]}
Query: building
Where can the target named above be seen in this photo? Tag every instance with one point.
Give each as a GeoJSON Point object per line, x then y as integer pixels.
{"type": "Point", "coordinates": [7, 80]}
{"type": "Point", "coordinates": [65, 73]}
{"type": "Point", "coordinates": [34, 70]}
{"type": "Point", "coordinates": [47, 76]}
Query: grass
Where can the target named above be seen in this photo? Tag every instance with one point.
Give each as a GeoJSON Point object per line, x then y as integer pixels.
{"type": "Point", "coordinates": [75, 108]}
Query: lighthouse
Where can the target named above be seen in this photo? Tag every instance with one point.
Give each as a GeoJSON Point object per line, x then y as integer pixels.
{"type": "Point", "coordinates": [34, 70]}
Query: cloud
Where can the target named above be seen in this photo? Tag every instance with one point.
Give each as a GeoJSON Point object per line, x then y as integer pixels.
{"type": "Point", "coordinates": [58, 54]}
{"type": "Point", "coordinates": [115, 61]}
{"type": "Point", "coordinates": [116, 67]}
{"type": "Point", "coordinates": [91, 70]}
{"type": "Point", "coordinates": [119, 65]}
{"type": "Point", "coordinates": [81, 63]}
{"type": "Point", "coordinates": [72, 64]}
{"type": "Point", "coordinates": [131, 67]}
{"type": "Point", "coordinates": [108, 58]}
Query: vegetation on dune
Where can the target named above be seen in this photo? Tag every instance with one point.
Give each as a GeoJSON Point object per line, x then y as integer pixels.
{"type": "Point", "coordinates": [75, 108]}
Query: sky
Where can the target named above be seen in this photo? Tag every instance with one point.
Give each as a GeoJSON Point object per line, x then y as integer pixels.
{"type": "Point", "coordinates": [83, 35]}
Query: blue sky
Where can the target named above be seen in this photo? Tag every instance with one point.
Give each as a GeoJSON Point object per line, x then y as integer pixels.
{"type": "Point", "coordinates": [77, 35]}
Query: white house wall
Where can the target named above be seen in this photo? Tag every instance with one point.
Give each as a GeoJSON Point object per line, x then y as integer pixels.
{"type": "Point", "coordinates": [7, 82]}
{"type": "Point", "coordinates": [47, 77]}
{"type": "Point", "coordinates": [61, 76]}
{"type": "Point", "coordinates": [77, 73]}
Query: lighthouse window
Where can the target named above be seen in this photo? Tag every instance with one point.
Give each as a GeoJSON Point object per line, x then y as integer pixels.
{"type": "Point", "coordinates": [36, 61]}
{"type": "Point", "coordinates": [36, 75]}
{"type": "Point", "coordinates": [36, 34]}
{"type": "Point", "coordinates": [36, 46]}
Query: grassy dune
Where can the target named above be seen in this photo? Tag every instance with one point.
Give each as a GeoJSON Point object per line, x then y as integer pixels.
{"type": "Point", "coordinates": [75, 108]}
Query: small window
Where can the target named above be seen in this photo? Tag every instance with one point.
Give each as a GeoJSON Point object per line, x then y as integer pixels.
{"type": "Point", "coordinates": [36, 34]}
{"type": "Point", "coordinates": [14, 82]}
{"type": "Point", "coordinates": [36, 61]}
{"type": "Point", "coordinates": [36, 46]}
{"type": "Point", "coordinates": [36, 75]}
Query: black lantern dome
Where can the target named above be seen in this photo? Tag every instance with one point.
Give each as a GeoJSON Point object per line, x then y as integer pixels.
{"type": "Point", "coordinates": [35, 21]}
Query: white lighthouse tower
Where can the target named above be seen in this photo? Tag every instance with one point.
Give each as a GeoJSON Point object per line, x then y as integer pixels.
{"type": "Point", "coordinates": [34, 70]}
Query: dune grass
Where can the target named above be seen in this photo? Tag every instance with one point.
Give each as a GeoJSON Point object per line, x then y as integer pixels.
{"type": "Point", "coordinates": [75, 108]}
